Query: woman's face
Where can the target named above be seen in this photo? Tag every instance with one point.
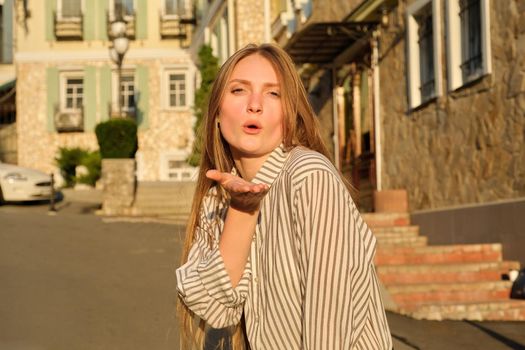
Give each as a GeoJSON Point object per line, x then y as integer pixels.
{"type": "Point", "coordinates": [251, 113]}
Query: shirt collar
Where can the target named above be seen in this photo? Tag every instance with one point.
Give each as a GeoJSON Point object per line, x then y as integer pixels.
{"type": "Point", "coordinates": [271, 167]}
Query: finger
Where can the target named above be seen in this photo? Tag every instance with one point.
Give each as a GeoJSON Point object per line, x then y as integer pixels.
{"type": "Point", "coordinates": [214, 175]}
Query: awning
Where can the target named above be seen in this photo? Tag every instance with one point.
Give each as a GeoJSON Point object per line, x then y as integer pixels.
{"type": "Point", "coordinates": [7, 85]}
{"type": "Point", "coordinates": [321, 43]}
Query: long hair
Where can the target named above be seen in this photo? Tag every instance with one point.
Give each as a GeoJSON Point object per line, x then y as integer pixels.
{"type": "Point", "coordinates": [300, 128]}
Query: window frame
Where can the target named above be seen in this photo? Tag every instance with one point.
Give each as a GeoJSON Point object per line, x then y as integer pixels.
{"type": "Point", "coordinates": [60, 17]}
{"type": "Point", "coordinates": [184, 173]}
{"type": "Point", "coordinates": [63, 77]}
{"type": "Point", "coordinates": [166, 15]}
{"type": "Point", "coordinates": [415, 98]}
{"type": "Point", "coordinates": [188, 73]}
{"type": "Point", "coordinates": [454, 45]}
{"type": "Point", "coordinates": [126, 17]}
{"type": "Point", "coordinates": [115, 94]}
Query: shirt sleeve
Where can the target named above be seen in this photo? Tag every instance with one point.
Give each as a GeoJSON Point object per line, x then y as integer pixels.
{"type": "Point", "coordinates": [203, 283]}
{"type": "Point", "coordinates": [342, 306]}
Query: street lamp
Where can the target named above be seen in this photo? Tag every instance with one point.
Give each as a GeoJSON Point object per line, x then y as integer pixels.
{"type": "Point", "coordinates": [120, 44]}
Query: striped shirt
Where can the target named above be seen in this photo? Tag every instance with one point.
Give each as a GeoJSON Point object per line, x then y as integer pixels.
{"type": "Point", "coordinates": [309, 282]}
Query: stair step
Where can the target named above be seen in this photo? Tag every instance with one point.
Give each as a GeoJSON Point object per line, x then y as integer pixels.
{"type": "Point", "coordinates": [438, 254]}
{"type": "Point", "coordinates": [504, 310]}
{"type": "Point", "coordinates": [419, 241]}
{"type": "Point", "coordinates": [396, 230]}
{"type": "Point", "coordinates": [374, 220]}
{"type": "Point", "coordinates": [445, 273]}
{"type": "Point", "coordinates": [431, 293]}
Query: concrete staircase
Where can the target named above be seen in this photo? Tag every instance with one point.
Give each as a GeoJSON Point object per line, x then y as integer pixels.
{"type": "Point", "coordinates": [170, 201]}
{"type": "Point", "coordinates": [466, 281]}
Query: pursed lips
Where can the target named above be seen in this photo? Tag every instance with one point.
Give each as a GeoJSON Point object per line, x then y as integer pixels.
{"type": "Point", "coordinates": [252, 127]}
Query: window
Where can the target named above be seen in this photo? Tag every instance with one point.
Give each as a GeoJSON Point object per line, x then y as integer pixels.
{"type": "Point", "coordinates": [470, 18]}
{"type": "Point", "coordinates": [70, 9]}
{"type": "Point", "coordinates": [73, 93]}
{"type": "Point", "coordinates": [468, 41]}
{"type": "Point", "coordinates": [127, 93]}
{"type": "Point", "coordinates": [175, 7]}
{"type": "Point", "coordinates": [69, 113]}
{"type": "Point", "coordinates": [177, 87]}
{"type": "Point", "coordinates": [426, 54]}
{"type": "Point", "coordinates": [125, 7]}
{"type": "Point", "coordinates": [177, 90]}
{"type": "Point", "coordinates": [423, 51]}
{"type": "Point", "coordinates": [173, 167]}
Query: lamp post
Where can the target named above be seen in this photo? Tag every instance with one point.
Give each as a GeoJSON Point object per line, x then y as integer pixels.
{"type": "Point", "coordinates": [119, 47]}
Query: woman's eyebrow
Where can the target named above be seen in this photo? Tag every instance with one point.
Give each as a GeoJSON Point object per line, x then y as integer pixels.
{"type": "Point", "coordinates": [247, 82]}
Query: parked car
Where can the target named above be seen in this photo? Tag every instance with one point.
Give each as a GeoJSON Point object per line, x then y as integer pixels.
{"type": "Point", "coordinates": [23, 184]}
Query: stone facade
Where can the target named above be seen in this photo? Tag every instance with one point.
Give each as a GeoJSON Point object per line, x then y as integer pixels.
{"type": "Point", "coordinates": [466, 146]}
{"type": "Point", "coordinates": [250, 22]}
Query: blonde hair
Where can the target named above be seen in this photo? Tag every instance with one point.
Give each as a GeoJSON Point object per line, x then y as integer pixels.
{"type": "Point", "coordinates": [300, 128]}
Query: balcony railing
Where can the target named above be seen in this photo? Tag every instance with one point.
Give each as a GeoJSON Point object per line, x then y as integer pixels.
{"type": "Point", "coordinates": [177, 25]}
{"type": "Point", "coordinates": [69, 28]}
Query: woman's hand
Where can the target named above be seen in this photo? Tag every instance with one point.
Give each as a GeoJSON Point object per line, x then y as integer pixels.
{"type": "Point", "coordinates": [245, 196]}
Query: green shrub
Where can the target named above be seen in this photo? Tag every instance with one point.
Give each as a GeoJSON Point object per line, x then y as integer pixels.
{"type": "Point", "coordinates": [208, 68]}
{"type": "Point", "coordinates": [92, 162]}
{"type": "Point", "coordinates": [117, 138]}
{"type": "Point", "coordinates": [67, 161]}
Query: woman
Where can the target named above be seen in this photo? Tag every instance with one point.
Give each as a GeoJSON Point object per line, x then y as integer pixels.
{"type": "Point", "coordinates": [274, 235]}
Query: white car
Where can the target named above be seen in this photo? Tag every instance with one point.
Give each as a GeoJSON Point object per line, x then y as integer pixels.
{"type": "Point", "coordinates": [22, 184]}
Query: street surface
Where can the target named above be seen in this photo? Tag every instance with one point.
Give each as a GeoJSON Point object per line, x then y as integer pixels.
{"type": "Point", "coordinates": [75, 281]}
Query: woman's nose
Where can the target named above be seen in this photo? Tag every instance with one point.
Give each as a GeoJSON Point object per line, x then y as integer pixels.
{"type": "Point", "coordinates": [255, 103]}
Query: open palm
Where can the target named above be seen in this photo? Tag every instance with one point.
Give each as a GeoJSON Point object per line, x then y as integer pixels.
{"type": "Point", "coordinates": [245, 196]}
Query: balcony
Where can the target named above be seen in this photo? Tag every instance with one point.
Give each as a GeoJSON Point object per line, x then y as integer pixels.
{"type": "Point", "coordinates": [177, 25]}
{"type": "Point", "coordinates": [69, 121]}
{"type": "Point", "coordinates": [68, 28]}
{"type": "Point", "coordinates": [131, 22]}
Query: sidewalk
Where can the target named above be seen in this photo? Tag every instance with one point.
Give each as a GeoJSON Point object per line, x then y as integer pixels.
{"type": "Point", "coordinates": [407, 333]}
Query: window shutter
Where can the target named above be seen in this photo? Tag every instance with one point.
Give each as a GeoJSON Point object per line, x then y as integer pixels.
{"type": "Point", "coordinates": [101, 14]}
{"type": "Point", "coordinates": [142, 97]}
{"type": "Point", "coordinates": [90, 98]}
{"type": "Point", "coordinates": [89, 20]}
{"type": "Point", "coordinates": [142, 19]}
{"type": "Point", "coordinates": [105, 92]}
{"type": "Point", "coordinates": [52, 96]}
{"type": "Point", "coordinates": [51, 7]}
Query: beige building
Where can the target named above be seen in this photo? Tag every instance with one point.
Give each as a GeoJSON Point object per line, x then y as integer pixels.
{"type": "Point", "coordinates": [67, 83]}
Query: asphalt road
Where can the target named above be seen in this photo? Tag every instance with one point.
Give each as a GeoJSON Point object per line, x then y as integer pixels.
{"type": "Point", "coordinates": [75, 281]}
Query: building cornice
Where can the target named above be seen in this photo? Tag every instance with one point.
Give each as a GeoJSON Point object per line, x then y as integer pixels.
{"type": "Point", "coordinates": [98, 55]}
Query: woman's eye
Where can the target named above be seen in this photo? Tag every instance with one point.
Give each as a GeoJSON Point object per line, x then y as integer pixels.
{"type": "Point", "coordinates": [237, 90]}
{"type": "Point", "coordinates": [275, 93]}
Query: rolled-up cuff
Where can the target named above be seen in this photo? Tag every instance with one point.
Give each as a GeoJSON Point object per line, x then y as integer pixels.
{"type": "Point", "coordinates": [217, 283]}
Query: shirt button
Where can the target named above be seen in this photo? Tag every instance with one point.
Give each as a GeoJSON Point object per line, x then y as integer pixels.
{"type": "Point", "coordinates": [256, 280]}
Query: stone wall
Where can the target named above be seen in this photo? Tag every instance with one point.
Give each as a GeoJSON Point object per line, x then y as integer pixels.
{"type": "Point", "coordinates": [249, 18]}
{"type": "Point", "coordinates": [119, 186]}
{"type": "Point", "coordinates": [468, 145]}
